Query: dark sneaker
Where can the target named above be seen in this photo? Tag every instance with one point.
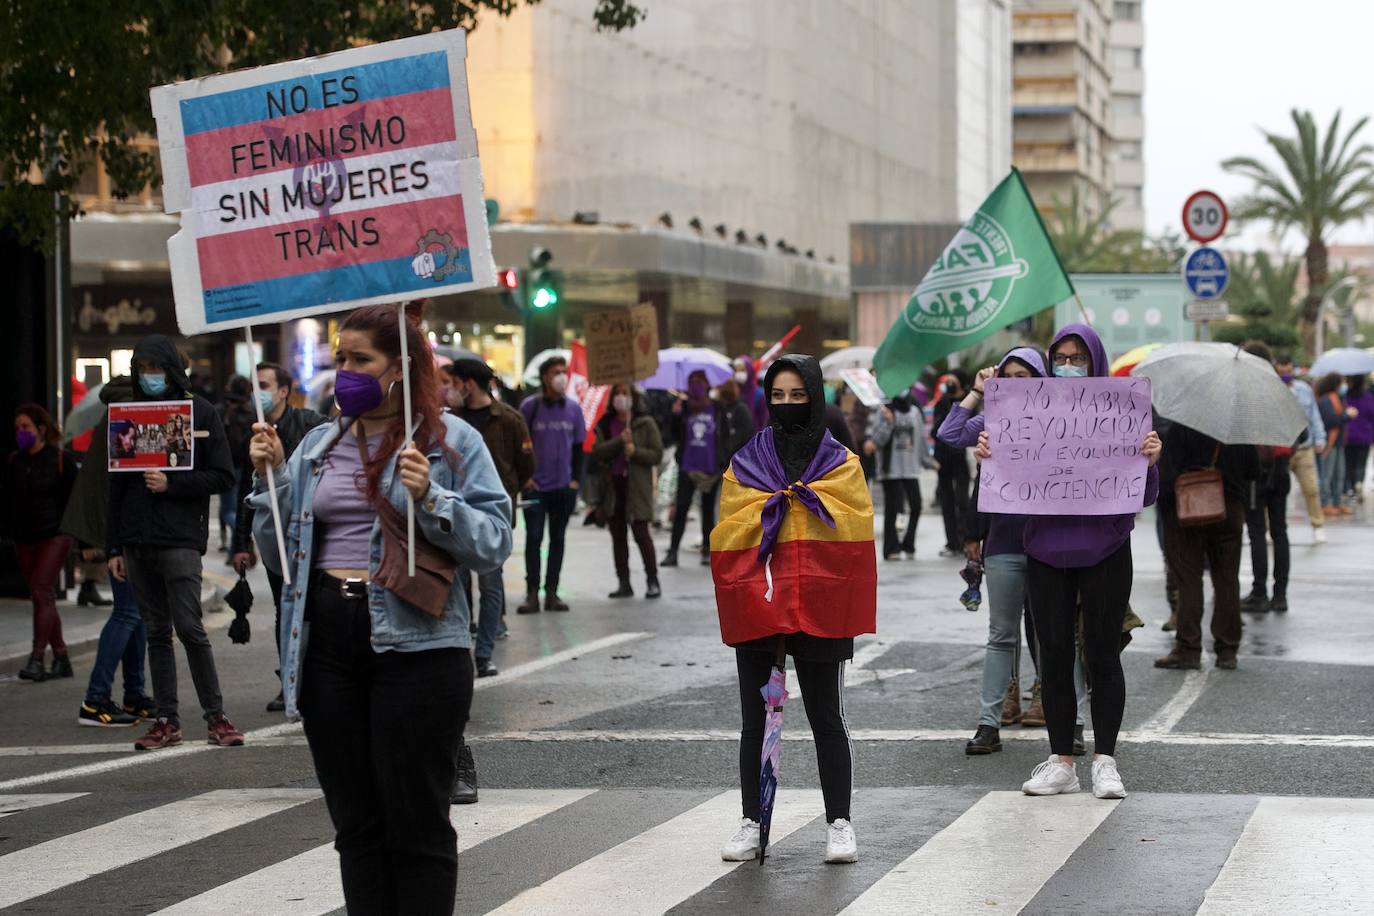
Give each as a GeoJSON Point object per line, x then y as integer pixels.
{"type": "Point", "coordinates": [1226, 662]}
{"type": "Point", "coordinates": [486, 669]}
{"type": "Point", "coordinates": [61, 667]}
{"type": "Point", "coordinates": [141, 707]}
{"type": "Point", "coordinates": [221, 732]}
{"type": "Point", "coordinates": [34, 670]}
{"type": "Point", "coordinates": [465, 779]}
{"type": "Point", "coordinates": [162, 734]}
{"type": "Point", "coordinates": [670, 559]}
{"type": "Point", "coordinates": [652, 590]}
{"type": "Point", "coordinates": [278, 704]}
{"type": "Point", "coordinates": [1079, 748]}
{"type": "Point", "coordinates": [104, 714]}
{"type": "Point", "coordinates": [626, 590]}
{"type": "Point", "coordinates": [1178, 660]}
{"type": "Point", "coordinates": [1255, 603]}
{"type": "Point", "coordinates": [530, 605]}
{"type": "Point", "coordinates": [986, 740]}
{"type": "Point", "coordinates": [90, 597]}
{"type": "Point", "coordinates": [1279, 604]}
{"type": "Point", "coordinates": [553, 603]}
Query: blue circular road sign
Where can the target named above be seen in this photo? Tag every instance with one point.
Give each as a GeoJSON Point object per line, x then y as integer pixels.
{"type": "Point", "coordinates": [1205, 272]}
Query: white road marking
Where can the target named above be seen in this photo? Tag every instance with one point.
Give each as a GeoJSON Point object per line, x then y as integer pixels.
{"type": "Point", "coordinates": [998, 854]}
{"type": "Point", "coordinates": [682, 855]}
{"type": "Point", "coordinates": [539, 664]}
{"type": "Point", "coordinates": [66, 860]}
{"type": "Point", "coordinates": [1298, 855]}
{"type": "Point", "coordinates": [308, 884]}
{"type": "Point", "coordinates": [1172, 712]}
{"type": "Point", "coordinates": [13, 804]}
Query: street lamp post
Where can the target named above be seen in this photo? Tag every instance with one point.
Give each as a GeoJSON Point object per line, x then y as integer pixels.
{"type": "Point", "coordinates": [1319, 344]}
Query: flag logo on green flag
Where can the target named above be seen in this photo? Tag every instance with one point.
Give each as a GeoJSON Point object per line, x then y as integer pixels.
{"type": "Point", "coordinates": [999, 268]}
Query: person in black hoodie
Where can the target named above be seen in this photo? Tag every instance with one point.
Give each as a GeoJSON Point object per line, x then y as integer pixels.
{"type": "Point", "coordinates": [952, 479]}
{"type": "Point", "coordinates": [158, 529]}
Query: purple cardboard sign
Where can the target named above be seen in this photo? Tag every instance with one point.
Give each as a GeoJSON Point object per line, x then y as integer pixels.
{"type": "Point", "coordinates": [1065, 446]}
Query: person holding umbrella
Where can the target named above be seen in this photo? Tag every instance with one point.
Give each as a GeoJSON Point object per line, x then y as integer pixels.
{"type": "Point", "coordinates": [795, 574]}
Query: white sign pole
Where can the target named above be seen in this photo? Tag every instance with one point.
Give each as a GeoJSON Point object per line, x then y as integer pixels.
{"type": "Point", "coordinates": [410, 432]}
{"type": "Point", "coordinates": [271, 477]}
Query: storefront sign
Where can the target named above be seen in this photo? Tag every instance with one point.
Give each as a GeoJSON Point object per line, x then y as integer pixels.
{"type": "Point", "coordinates": [113, 311]}
{"type": "Point", "coordinates": [622, 345]}
{"type": "Point", "coordinates": [323, 184]}
{"type": "Point", "coordinates": [1065, 446]}
{"type": "Point", "coordinates": [151, 436]}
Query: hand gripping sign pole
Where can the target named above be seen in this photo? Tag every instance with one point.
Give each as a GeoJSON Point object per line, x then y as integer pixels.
{"type": "Point", "coordinates": [271, 476]}
{"type": "Point", "coordinates": [410, 433]}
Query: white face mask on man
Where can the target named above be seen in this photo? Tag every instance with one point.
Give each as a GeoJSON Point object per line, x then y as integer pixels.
{"type": "Point", "coordinates": [741, 377]}
{"type": "Point", "coordinates": [622, 403]}
{"type": "Point", "coordinates": [559, 383]}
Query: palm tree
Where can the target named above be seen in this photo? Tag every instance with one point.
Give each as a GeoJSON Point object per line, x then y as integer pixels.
{"type": "Point", "coordinates": [1087, 244]}
{"type": "Point", "coordinates": [1324, 183]}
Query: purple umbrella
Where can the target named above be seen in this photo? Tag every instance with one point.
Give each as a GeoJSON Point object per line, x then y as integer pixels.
{"type": "Point", "coordinates": [774, 696]}
{"type": "Point", "coordinates": [677, 363]}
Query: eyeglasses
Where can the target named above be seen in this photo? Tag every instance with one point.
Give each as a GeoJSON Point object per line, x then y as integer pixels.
{"type": "Point", "coordinates": [1077, 359]}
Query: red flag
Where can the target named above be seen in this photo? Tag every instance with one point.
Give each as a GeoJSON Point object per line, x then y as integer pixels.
{"type": "Point", "coordinates": [592, 398]}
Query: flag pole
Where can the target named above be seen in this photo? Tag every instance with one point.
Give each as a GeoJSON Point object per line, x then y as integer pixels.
{"type": "Point", "coordinates": [271, 477]}
{"type": "Point", "coordinates": [1081, 310]}
{"type": "Point", "coordinates": [410, 432]}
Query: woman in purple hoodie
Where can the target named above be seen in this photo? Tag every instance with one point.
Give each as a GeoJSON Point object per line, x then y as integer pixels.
{"type": "Point", "coordinates": [1080, 565]}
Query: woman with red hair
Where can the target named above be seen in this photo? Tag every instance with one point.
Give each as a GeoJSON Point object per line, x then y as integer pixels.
{"type": "Point", "coordinates": [385, 676]}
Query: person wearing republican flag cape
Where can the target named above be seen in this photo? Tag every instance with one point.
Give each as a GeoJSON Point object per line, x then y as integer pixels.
{"type": "Point", "coordinates": [795, 571]}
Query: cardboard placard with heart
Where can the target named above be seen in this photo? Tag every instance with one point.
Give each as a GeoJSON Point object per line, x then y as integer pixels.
{"type": "Point", "coordinates": [622, 344]}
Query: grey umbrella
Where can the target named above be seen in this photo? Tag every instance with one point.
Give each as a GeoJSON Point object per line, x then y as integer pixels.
{"type": "Point", "coordinates": [1344, 360]}
{"type": "Point", "coordinates": [85, 415]}
{"type": "Point", "coordinates": [1224, 392]}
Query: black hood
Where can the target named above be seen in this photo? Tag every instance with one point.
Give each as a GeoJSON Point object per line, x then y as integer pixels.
{"type": "Point", "coordinates": [159, 350]}
{"type": "Point", "coordinates": [796, 449]}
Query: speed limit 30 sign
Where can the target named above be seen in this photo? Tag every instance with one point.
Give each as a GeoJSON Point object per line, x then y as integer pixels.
{"type": "Point", "coordinates": [1204, 216]}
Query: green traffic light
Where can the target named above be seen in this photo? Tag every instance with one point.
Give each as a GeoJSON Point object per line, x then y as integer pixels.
{"type": "Point", "coordinates": [544, 297]}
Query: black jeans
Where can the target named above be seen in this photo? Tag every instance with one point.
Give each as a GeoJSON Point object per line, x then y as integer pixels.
{"type": "Point", "coordinates": [383, 730]}
{"type": "Point", "coordinates": [1356, 458]}
{"type": "Point", "coordinates": [620, 544]}
{"type": "Point", "coordinates": [894, 492]}
{"type": "Point", "coordinates": [822, 686]}
{"type": "Point", "coordinates": [1220, 546]}
{"type": "Point", "coordinates": [685, 491]}
{"type": "Point", "coordinates": [951, 489]}
{"type": "Point", "coordinates": [555, 506]}
{"type": "Point", "coordinates": [1273, 506]}
{"type": "Point", "coordinates": [1057, 596]}
{"type": "Point", "coordinates": [166, 582]}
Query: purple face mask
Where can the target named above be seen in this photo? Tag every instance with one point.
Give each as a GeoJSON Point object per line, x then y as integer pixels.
{"type": "Point", "coordinates": [1287, 378]}
{"type": "Point", "coordinates": [356, 392]}
{"type": "Point", "coordinates": [25, 439]}
{"type": "Point", "coordinates": [697, 390]}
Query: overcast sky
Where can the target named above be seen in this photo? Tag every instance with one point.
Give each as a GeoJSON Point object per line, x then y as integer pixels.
{"type": "Point", "coordinates": [1216, 70]}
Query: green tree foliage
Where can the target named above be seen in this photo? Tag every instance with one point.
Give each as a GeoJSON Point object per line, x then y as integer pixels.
{"type": "Point", "coordinates": [74, 75]}
{"type": "Point", "coordinates": [1265, 295]}
{"type": "Point", "coordinates": [1323, 183]}
{"type": "Point", "coordinates": [1087, 243]}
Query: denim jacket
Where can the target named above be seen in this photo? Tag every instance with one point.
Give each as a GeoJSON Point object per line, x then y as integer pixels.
{"type": "Point", "coordinates": [465, 514]}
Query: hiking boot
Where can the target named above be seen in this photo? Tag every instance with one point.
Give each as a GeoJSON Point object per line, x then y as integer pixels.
{"type": "Point", "coordinates": [141, 707]}
{"type": "Point", "coordinates": [104, 714]}
{"type": "Point", "coordinates": [1279, 604]}
{"type": "Point", "coordinates": [164, 733]}
{"type": "Point", "coordinates": [625, 591]}
{"type": "Point", "coordinates": [1011, 703]}
{"type": "Point", "coordinates": [841, 848]}
{"type": "Point", "coordinates": [464, 778]}
{"type": "Point", "coordinates": [278, 704]}
{"type": "Point", "coordinates": [486, 669]}
{"type": "Point", "coordinates": [671, 560]}
{"type": "Point", "coordinates": [744, 845]}
{"type": "Point", "coordinates": [1256, 602]}
{"type": "Point", "coordinates": [1106, 779]}
{"type": "Point", "coordinates": [530, 605]}
{"type": "Point", "coordinates": [61, 667]}
{"type": "Point", "coordinates": [1180, 660]}
{"type": "Point", "coordinates": [652, 590]}
{"type": "Point", "coordinates": [1034, 716]}
{"type": "Point", "coordinates": [553, 603]}
{"type": "Point", "coordinates": [986, 740]}
{"type": "Point", "coordinates": [221, 732]}
{"type": "Point", "coordinates": [34, 670]}
{"type": "Point", "coordinates": [89, 596]}
{"type": "Point", "coordinates": [1053, 777]}
{"type": "Point", "coordinates": [1079, 748]}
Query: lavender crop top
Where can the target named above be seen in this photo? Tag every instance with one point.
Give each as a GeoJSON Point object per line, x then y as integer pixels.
{"type": "Point", "coordinates": [343, 516]}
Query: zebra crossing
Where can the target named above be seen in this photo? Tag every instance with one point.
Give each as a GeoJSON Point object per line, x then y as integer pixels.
{"type": "Point", "coordinates": [937, 850]}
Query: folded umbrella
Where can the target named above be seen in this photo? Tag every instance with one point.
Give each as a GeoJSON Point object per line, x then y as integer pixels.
{"type": "Point", "coordinates": [240, 598]}
{"type": "Point", "coordinates": [677, 363]}
{"type": "Point", "coordinates": [1223, 392]}
{"type": "Point", "coordinates": [972, 574]}
{"type": "Point", "coordinates": [1344, 361]}
{"type": "Point", "coordinates": [774, 695]}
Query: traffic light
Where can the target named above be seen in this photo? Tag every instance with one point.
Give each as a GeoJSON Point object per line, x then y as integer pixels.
{"type": "Point", "coordinates": [508, 286]}
{"type": "Point", "coordinates": [542, 292]}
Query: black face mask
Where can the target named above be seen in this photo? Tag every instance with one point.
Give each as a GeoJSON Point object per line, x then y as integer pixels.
{"type": "Point", "coordinates": [793, 418]}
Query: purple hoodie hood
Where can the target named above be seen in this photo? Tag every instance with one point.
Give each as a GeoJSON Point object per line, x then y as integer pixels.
{"type": "Point", "coordinates": [1070, 542]}
{"type": "Point", "coordinates": [1028, 355]}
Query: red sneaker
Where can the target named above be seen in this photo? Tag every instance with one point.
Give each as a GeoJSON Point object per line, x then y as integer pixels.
{"type": "Point", "coordinates": [223, 733]}
{"type": "Point", "coordinates": [162, 734]}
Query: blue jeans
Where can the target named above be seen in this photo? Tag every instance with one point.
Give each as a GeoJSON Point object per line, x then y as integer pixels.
{"type": "Point", "coordinates": [1332, 466]}
{"type": "Point", "coordinates": [123, 639]}
{"type": "Point", "coordinates": [491, 589]}
{"type": "Point", "coordinates": [1005, 576]}
{"type": "Point", "coordinates": [557, 506]}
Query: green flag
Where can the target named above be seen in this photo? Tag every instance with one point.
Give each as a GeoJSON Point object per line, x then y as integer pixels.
{"type": "Point", "coordinates": [999, 268]}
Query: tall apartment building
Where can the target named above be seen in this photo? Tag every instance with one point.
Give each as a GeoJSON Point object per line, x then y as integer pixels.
{"type": "Point", "coordinates": [1062, 100]}
{"type": "Point", "coordinates": [1127, 44]}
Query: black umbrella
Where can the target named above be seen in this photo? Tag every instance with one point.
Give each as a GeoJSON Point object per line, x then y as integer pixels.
{"type": "Point", "coordinates": [240, 598]}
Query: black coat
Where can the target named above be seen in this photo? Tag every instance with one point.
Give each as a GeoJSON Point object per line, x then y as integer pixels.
{"type": "Point", "coordinates": [291, 428]}
{"type": "Point", "coordinates": [36, 491]}
{"type": "Point", "coordinates": [180, 516]}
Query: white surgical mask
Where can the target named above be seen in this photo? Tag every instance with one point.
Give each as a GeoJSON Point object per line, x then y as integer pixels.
{"type": "Point", "coordinates": [741, 377]}
{"type": "Point", "coordinates": [559, 383]}
{"type": "Point", "coordinates": [621, 403]}
{"type": "Point", "coordinates": [266, 400]}
{"type": "Point", "coordinates": [1070, 371]}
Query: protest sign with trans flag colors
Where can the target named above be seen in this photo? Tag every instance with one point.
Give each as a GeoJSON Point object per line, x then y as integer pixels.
{"type": "Point", "coordinates": [999, 268]}
{"type": "Point", "coordinates": [323, 184]}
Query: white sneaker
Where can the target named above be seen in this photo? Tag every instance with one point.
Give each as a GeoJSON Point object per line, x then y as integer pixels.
{"type": "Point", "coordinates": [744, 845]}
{"type": "Point", "coordinates": [1053, 777]}
{"type": "Point", "coordinates": [1106, 780]}
{"type": "Point", "coordinates": [1318, 534]}
{"type": "Point", "coordinates": [840, 845]}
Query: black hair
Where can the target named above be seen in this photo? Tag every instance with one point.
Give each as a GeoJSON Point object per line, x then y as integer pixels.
{"type": "Point", "coordinates": [552, 362]}
{"type": "Point", "coordinates": [284, 377]}
{"type": "Point", "coordinates": [472, 370]}
{"type": "Point", "coordinates": [1329, 383]}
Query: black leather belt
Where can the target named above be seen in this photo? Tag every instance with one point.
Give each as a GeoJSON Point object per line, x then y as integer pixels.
{"type": "Point", "coordinates": [352, 589]}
